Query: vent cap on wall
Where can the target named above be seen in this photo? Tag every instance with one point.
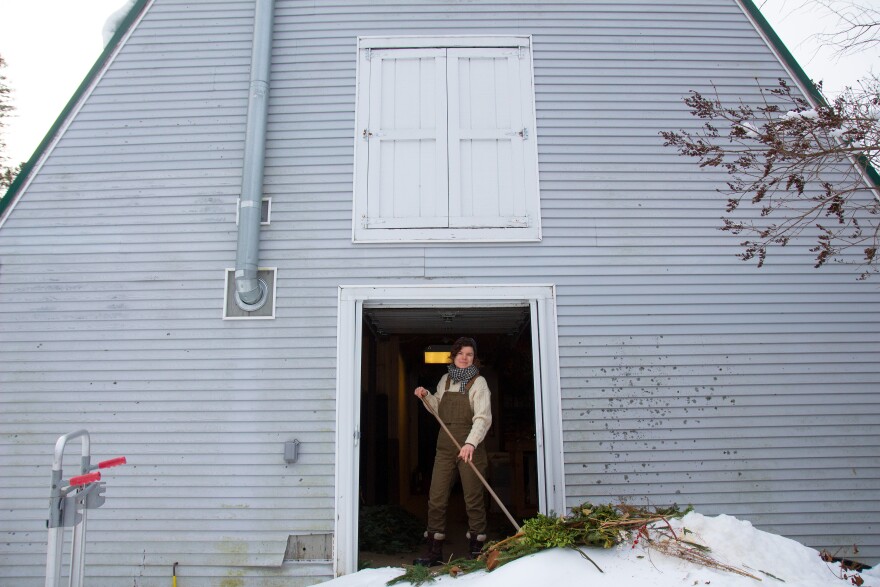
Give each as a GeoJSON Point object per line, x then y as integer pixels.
{"type": "Point", "coordinates": [232, 311]}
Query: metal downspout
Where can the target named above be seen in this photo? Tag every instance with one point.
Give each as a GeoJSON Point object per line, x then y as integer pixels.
{"type": "Point", "coordinates": [251, 292]}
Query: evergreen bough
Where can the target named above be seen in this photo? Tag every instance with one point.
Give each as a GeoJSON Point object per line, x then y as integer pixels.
{"type": "Point", "coordinates": [588, 525]}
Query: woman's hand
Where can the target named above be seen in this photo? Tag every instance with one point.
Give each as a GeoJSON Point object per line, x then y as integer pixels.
{"type": "Point", "coordinates": [421, 392]}
{"type": "Point", "coordinates": [466, 453]}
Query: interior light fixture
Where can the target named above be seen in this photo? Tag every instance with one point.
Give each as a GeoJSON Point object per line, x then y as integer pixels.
{"type": "Point", "coordinates": [438, 354]}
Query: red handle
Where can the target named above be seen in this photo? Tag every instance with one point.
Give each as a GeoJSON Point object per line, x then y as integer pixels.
{"type": "Point", "coordinates": [112, 463]}
{"type": "Point", "coordinates": [85, 479]}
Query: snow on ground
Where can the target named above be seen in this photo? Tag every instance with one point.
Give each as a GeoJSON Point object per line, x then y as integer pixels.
{"type": "Point", "coordinates": [776, 560]}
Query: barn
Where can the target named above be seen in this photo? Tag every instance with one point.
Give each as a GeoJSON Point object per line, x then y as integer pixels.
{"type": "Point", "coordinates": [231, 252]}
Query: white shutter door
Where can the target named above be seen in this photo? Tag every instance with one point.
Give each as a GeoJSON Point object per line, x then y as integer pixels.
{"type": "Point", "coordinates": [407, 176]}
{"type": "Point", "coordinates": [487, 131]}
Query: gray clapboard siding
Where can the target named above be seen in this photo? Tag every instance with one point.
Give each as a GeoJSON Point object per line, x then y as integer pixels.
{"type": "Point", "coordinates": [687, 375]}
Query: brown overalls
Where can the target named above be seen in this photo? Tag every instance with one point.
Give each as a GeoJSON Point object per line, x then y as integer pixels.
{"type": "Point", "coordinates": [455, 411]}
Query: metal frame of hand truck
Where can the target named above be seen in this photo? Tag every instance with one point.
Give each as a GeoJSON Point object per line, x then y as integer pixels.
{"type": "Point", "coordinates": [68, 505]}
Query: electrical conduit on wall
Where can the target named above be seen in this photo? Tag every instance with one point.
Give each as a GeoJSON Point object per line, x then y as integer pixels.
{"type": "Point", "coordinates": [251, 292]}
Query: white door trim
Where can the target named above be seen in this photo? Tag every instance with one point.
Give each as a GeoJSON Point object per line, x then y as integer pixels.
{"type": "Point", "coordinates": [541, 300]}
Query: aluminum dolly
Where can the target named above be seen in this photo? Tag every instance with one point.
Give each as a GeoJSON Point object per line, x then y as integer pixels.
{"type": "Point", "coordinates": [68, 504]}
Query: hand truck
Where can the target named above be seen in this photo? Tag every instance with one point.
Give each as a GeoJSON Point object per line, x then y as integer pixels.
{"type": "Point", "coordinates": [68, 505]}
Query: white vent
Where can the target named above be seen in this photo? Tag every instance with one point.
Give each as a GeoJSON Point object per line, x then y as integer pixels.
{"type": "Point", "coordinates": [231, 311]}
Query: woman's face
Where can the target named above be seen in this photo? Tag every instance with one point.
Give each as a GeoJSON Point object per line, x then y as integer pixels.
{"type": "Point", "coordinates": [464, 358]}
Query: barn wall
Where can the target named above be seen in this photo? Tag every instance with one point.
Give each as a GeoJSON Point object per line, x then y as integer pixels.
{"type": "Point", "coordinates": [687, 376]}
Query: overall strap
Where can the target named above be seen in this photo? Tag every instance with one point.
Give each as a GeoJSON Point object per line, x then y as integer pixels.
{"type": "Point", "coordinates": [467, 387]}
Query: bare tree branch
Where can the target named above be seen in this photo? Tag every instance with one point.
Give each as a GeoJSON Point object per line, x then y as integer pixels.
{"type": "Point", "coordinates": [802, 169]}
{"type": "Point", "coordinates": [857, 27]}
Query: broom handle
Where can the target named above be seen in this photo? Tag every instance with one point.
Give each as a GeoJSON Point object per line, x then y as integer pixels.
{"type": "Point", "coordinates": [471, 463]}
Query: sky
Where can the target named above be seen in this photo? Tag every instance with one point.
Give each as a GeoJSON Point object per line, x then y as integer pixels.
{"type": "Point", "coordinates": [50, 45]}
{"type": "Point", "coordinates": [772, 559]}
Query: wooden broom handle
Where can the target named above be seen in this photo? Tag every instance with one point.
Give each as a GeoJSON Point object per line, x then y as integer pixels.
{"type": "Point", "coordinates": [471, 463]}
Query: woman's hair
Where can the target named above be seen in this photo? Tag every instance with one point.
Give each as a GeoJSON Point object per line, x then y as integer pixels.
{"type": "Point", "coordinates": [460, 344]}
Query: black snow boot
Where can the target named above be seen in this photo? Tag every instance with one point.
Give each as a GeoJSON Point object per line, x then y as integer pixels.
{"type": "Point", "coordinates": [478, 541]}
{"type": "Point", "coordinates": [434, 554]}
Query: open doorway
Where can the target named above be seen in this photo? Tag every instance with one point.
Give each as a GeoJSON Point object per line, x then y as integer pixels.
{"type": "Point", "coordinates": [398, 436]}
{"type": "Point", "coordinates": [355, 300]}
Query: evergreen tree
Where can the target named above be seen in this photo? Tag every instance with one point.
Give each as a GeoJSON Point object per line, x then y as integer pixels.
{"type": "Point", "coordinates": [7, 174]}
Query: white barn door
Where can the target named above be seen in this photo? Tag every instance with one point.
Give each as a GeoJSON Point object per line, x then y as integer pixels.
{"type": "Point", "coordinates": [488, 120]}
{"type": "Point", "coordinates": [447, 140]}
{"type": "Point", "coordinates": [407, 139]}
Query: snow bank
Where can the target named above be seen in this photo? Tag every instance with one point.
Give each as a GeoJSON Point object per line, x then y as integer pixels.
{"type": "Point", "coordinates": [767, 556]}
{"type": "Point", "coordinates": [775, 560]}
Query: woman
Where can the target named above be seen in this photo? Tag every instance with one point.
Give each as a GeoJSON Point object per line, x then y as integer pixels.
{"type": "Point", "coordinates": [463, 403]}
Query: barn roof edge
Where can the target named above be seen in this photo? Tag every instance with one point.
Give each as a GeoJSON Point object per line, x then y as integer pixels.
{"type": "Point", "coordinates": [28, 168]}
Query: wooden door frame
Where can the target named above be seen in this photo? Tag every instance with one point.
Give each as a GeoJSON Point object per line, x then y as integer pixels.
{"type": "Point", "coordinates": [541, 300]}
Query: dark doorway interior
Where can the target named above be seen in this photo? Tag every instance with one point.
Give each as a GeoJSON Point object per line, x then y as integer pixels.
{"type": "Point", "coordinates": [398, 436]}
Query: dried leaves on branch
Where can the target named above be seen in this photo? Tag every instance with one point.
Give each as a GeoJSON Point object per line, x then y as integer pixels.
{"type": "Point", "coordinates": [794, 168]}
{"type": "Point", "coordinates": [588, 526]}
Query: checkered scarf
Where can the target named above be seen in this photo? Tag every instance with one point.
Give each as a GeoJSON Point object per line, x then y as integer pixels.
{"type": "Point", "coordinates": [462, 375]}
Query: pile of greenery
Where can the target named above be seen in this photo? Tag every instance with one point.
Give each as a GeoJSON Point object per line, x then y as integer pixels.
{"type": "Point", "coordinates": [588, 525]}
{"type": "Point", "coordinates": [388, 529]}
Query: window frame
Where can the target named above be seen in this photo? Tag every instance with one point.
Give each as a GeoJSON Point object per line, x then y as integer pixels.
{"type": "Point", "coordinates": [361, 233]}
